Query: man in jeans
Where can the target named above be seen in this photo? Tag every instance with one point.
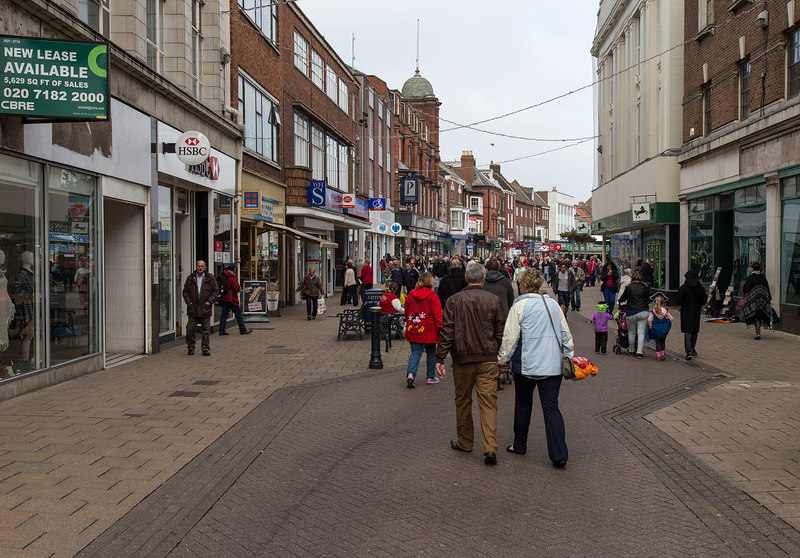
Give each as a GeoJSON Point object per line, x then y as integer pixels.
{"type": "Point", "coordinates": [471, 334]}
{"type": "Point", "coordinates": [199, 293]}
{"type": "Point", "coordinates": [230, 302]}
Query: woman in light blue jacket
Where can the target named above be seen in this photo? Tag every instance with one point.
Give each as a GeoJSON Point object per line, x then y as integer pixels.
{"type": "Point", "coordinates": [535, 335]}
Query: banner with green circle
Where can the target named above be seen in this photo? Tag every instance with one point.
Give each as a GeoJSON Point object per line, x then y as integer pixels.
{"type": "Point", "coordinates": [54, 79]}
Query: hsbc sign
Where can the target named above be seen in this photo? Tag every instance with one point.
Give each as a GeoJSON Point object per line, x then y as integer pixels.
{"type": "Point", "coordinates": [209, 168]}
{"type": "Point", "coordinates": [192, 148]}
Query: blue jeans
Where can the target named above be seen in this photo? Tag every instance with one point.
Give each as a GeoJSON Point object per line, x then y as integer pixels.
{"type": "Point", "coordinates": [237, 313]}
{"type": "Point", "coordinates": [575, 301]}
{"type": "Point", "coordinates": [637, 323]}
{"type": "Point", "coordinates": [610, 297]}
{"type": "Point", "coordinates": [430, 360]}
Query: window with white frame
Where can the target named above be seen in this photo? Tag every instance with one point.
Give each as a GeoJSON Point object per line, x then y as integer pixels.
{"type": "Point", "coordinates": [344, 167]}
{"type": "Point", "coordinates": [261, 120]}
{"type": "Point", "coordinates": [96, 14]}
{"type": "Point", "coordinates": [317, 70]}
{"type": "Point", "coordinates": [457, 219]}
{"type": "Point", "coordinates": [301, 142]}
{"type": "Point", "coordinates": [332, 167]}
{"type": "Point", "coordinates": [263, 14]}
{"type": "Point", "coordinates": [197, 48]}
{"type": "Point", "coordinates": [331, 87]}
{"type": "Point", "coordinates": [317, 153]}
{"type": "Point", "coordinates": [343, 95]}
{"type": "Point", "coordinates": [371, 144]}
{"type": "Point", "coordinates": [476, 204]}
{"type": "Point", "coordinates": [154, 15]}
{"type": "Point", "coordinates": [300, 53]}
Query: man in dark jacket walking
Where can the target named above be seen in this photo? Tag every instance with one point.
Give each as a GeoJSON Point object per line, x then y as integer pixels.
{"type": "Point", "coordinates": [410, 277]}
{"type": "Point", "coordinates": [397, 276]}
{"type": "Point", "coordinates": [199, 292]}
{"type": "Point", "coordinates": [691, 297]}
{"type": "Point", "coordinates": [497, 284]}
{"type": "Point", "coordinates": [230, 302]}
{"type": "Point", "coordinates": [453, 281]}
{"type": "Point", "coordinates": [440, 269]}
{"type": "Point", "coordinates": [471, 334]}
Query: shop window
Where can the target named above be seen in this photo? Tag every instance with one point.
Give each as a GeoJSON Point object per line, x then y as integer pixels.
{"type": "Point", "coordinates": [73, 312]}
{"type": "Point", "coordinates": [790, 242]}
{"type": "Point", "coordinates": [166, 321]}
{"type": "Point", "coordinates": [21, 273]}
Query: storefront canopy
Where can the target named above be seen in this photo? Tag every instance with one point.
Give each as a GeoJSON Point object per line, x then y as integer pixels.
{"type": "Point", "coordinates": [299, 235]}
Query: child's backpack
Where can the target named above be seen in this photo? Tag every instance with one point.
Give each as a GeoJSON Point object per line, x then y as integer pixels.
{"type": "Point", "coordinates": [660, 327]}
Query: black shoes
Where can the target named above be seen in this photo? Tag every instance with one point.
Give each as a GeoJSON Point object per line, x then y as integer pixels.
{"type": "Point", "coordinates": [191, 352]}
{"type": "Point", "coordinates": [454, 445]}
{"type": "Point", "coordinates": [206, 352]}
{"type": "Point", "coordinates": [689, 356]}
{"type": "Point", "coordinates": [512, 449]}
{"type": "Point", "coordinates": [490, 458]}
{"type": "Point", "coordinates": [560, 464]}
{"type": "Point", "coordinates": [224, 333]}
{"type": "Point", "coordinates": [245, 332]}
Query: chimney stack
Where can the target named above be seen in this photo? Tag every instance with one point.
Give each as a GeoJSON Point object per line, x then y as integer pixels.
{"type": "Point", "coordinates": [494, 168]}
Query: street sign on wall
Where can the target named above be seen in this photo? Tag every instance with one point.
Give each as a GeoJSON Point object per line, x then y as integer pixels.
{"type": "Point", "coordinates": [54, 79]}
{"type": "Point", "coordinates": [409, 190]}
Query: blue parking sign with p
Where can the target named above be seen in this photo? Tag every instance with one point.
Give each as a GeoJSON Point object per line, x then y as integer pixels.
{"type": "Point", "coordinates": [409, 190]}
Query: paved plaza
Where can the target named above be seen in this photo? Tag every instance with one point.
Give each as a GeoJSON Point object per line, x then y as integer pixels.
{"type": "Point", "coordinates": [284, 443]}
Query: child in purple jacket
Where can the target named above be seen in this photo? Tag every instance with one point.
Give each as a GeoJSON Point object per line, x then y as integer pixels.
{"type": "Point", "coordinates": [600, 320]}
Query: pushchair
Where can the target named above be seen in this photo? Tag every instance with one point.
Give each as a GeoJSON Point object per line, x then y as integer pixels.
{"type": "Point", "coordinates": [621, 344]}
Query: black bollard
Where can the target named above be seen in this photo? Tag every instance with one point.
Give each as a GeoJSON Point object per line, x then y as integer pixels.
{"type": "Point", "coordinates": [375, 361]}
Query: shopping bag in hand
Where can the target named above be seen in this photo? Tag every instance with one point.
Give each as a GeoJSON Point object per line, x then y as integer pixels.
{"type": "Point", "coordinates": [321, 308]}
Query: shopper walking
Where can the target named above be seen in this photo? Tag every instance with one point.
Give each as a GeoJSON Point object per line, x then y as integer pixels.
{"type": "Point", "coordinates": [757, 300]}
{"type": "Point", "coordinates": [609, 283]}
{"type": "Point", "coordinates": [580, 278]}
{"type": "Point", "coordinates": [200, 291]}
{"type": "Point", "coordinates": [600, 321]}
{"type": "Point", "coordinates": [691, 298]}
{"type": "Point", "coordinates": [591, 272]}
{"type": "Point", "coordinates": [230, 302]}
{"type": "Point", "coordinates": [423, 315]}
{"type": "Point", "coordinates": [311, 289]}
{"type": "Point", "coordinates": [499, 285]}
{"type": "Point", "coordinates": [659, 323]}
{"type": "Point", "coordinates": [637, 309]}
{"type": "Point", "coordinates": [366, 278]}
{"type": "Point", "coordinates": [563, 285]}
{"type": "Point", "coordinates": [471, 333]}
{"type": "Point", "coordinates": [453, 282]}
{"type": "Point", "coordinates": [625, 280]}
{"type": "Point", "coordinates": [535, 336]}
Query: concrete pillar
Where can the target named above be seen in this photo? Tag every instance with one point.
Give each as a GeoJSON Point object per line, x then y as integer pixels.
{"type": "Point", "coordinates": [773, 249]}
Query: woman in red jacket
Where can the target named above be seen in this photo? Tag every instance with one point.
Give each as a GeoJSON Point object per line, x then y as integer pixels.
{"type": "Point", "coordinates": [423, 313]}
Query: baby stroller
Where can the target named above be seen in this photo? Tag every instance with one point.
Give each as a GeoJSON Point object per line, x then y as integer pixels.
{"type": "Point", "coordinates": [622, 334]}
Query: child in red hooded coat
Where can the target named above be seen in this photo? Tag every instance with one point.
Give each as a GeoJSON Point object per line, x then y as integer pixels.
{"type": "Point", "coordinates": [423, 314]}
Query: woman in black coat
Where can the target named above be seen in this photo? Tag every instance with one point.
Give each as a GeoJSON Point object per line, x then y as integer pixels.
{"type": "Point", "coordinates": [757, 300]}
{"type": "Point", "coordinates": [691, 297]}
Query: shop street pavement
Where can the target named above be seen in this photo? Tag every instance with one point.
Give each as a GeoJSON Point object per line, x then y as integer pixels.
{"type": "Point", "coordinates": [283, 443]}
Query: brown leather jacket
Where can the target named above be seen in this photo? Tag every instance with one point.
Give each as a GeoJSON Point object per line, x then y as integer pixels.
{"type": "Point", "coordinates": [196, 302]}
{"type": "Point", "coordinates": [473, 327]}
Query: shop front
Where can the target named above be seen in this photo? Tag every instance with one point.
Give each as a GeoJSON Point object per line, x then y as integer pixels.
{"type": "Point", "coordinates": [638, 234]}
{"type": "Point", "coordinates": [379, 240]}
{"type": "Point", "coordinates": [790, 253]}
{"type": "Point", "coordinates": [194, 220]}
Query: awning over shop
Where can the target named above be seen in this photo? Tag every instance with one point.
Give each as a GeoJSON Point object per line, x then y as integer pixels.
{"type": "Point", "coordinates": [299, 235]}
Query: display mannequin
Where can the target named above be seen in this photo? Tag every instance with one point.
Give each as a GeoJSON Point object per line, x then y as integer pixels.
{"type": "Point", "coordinates": [7, 309]}
{"type": "Point", "coordinates": [23, 299]}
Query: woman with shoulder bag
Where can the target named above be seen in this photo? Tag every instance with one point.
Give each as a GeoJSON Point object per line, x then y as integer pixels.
{"type": "Point", "coordinates": [311, 289]}
{"type": "Point", "coordinates": [536, 336]}
{"type": "Point", "coordinates": [637, 311]}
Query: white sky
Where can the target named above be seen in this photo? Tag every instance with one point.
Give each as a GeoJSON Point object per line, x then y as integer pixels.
{"type": "Point", "coordinates": [484, 59]}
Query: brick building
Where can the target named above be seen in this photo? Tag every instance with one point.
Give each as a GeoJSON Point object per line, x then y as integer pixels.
{"type": "Point", "coordinates": [455, 195]}
{"type": "Point", "coordinates": [416, 152]}
{"type": "Point", "coordinates": [297, 101]}
{"type": "Point", "coordinates": [525, 230]}
{"type": "Point", "coordinates": [487, 204]}
{"type": "Point", "coordinates": [740, 162]}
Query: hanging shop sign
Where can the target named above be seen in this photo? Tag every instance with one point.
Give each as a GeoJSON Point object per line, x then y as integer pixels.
{"type": "Point", "coordinates": [251, 203]}
{"type": "Point", "coordinates": [640, 212]}
{"type": "Point", "coordinates": [56, 80]}
{"type": "Point", "coordinates": [192, 148]}
{"type": "Point", "coordinates": [409, 190]}
{"type": "Point", "coordinates": [316, 193]}
{"type": "Point", "coordinates": [396, 228]}
{"type": "Point", "coordinates": [377, 204]}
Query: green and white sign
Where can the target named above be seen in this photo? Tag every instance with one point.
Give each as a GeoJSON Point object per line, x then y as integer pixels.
{"type": "Point", "coordinates": [54, 79]}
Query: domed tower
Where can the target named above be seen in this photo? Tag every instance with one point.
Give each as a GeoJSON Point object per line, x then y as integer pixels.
{"type": "Point", "coordinates": [417, 86]}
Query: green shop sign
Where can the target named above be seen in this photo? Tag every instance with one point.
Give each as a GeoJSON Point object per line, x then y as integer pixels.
{"type": "Point", "coordinates": [54, 79]}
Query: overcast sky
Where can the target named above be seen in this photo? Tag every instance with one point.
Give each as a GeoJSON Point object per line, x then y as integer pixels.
{"type": "Point", "coordinates": [484, 59]}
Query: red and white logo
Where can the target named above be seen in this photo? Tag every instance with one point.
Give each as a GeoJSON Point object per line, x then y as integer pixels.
{"type": "Point", "coordinates": [192, 141]}
{"type": "Point", "coordinates": [348, 201]}
{"type": "Point", "coordinates": [213, 168]}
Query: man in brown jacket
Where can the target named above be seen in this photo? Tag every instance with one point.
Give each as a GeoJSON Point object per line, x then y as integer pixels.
{"type": "Point", "coordinates": [472, 333]}
{"type": "Point", "coordinates": [199, 292]}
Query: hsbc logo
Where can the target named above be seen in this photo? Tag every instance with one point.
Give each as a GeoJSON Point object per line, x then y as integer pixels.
{"type": "Point", "coordinates": [208, 169]}
{"type": "Point", "coordinates": [192, 141]}
{"type": "Point", "coordinates": [192, 148]}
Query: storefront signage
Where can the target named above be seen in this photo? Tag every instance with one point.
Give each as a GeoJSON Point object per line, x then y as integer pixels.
{"type": "Point", "coordinates": [348, 201]}
{"type": "Point", "coordinates": [267, 210]}
{"type": "Point", "coordinates": [383, 228]}
{"type": "Point", "coordinates": [54, 79]}
{"type": "Point", "coordinates": [360, 209]}
{"type": "Point", "coordinates": [208, 168]}
{"type": "Point", "coordinates": [252, 202]}
{"type": "Point", "coordinates": [224, 202]}
{"type": "Point", "coordinates": [254, 297]}
{"type": "Point", "coordinates": [170, 164]}
{"type": "Point", "coordinates": [317, 192]}
{"type": "Point", "coordinates": [192, 148]}
{"type": "Point", "coordinates": [640, 212]}
{"type": "Point", "coordinates": [377, 204]}
{"type": "Point", "coordinates": [409, 190]}
{"type": "Point", "coordinates": [396, 228]}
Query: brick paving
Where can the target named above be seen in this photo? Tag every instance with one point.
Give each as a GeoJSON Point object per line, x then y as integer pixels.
{"type": "Point", "coordinates": [357, 465]}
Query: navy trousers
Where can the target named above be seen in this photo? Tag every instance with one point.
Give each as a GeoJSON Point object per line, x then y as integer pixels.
{"type": "Point", "coordinates": [553, 421]}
